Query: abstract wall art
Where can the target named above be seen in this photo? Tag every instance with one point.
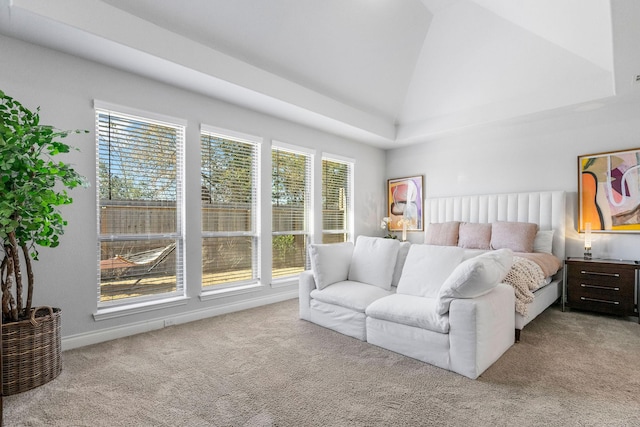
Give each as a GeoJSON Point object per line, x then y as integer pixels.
{"type": "Point", "coordinates": [609, 192]}
{"type": "Point", "coordinates": [404, 202]}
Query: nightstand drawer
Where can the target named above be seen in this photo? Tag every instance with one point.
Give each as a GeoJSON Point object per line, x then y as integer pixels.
{"type": "Point", "coordinates": [602, 273]}
{"type": "Point", "coordinates": [605, 303]}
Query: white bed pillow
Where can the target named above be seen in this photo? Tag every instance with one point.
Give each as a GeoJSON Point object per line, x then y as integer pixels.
{"type": "Point", "coordinates": [475, 277]}
{"type": "Point", "coordinates": [330, 262]}
{"type": "Point", "coordinates": [543, 242]}
{"type": "Point", "coordinates": [426, 268]}
{"type": "Point", "coordinates": [373, 261]}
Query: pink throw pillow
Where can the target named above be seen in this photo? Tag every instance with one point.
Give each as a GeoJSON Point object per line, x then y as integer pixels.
{"type": "Point", "coordinates": [517, 236]}
{"type": "Point", "coordinates": [442, 234]}
{"type": "Point", "coordinates": [474, 236]}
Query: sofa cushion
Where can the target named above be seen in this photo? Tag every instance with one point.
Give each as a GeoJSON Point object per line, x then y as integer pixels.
{"type": "Point", "coordinates": [442, 234]}
{"type": "Point", "coordinates": [474, 277]}
{"type": "Point", "coordinates": [411, 311]}
{"type": "Point", "coordinates": [517, 236]}
{"type": "Point", "coordinates": [426, 268]}
{"type": "Point", "coordinates": [373, 261]}
{"type": "Point", "coordinates": [353, 295]}
{"type": "Point", "coordinates": [400, 260]}
{"type": "Point", "coordinates": [330, 262]}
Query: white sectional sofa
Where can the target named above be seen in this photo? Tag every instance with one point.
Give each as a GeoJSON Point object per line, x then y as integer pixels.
{"type": "Point", "coordinates": [428, 302]}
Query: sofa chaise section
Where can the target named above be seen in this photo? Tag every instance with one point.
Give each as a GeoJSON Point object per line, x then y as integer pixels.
{"type": "Point", "coordinates": [480, 330]}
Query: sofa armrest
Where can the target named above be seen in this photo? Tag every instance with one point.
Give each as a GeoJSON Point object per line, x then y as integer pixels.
{"type": "Point", "coordinates": [481, 330]}
{"type": "Point", "coordinates": [305, 286]}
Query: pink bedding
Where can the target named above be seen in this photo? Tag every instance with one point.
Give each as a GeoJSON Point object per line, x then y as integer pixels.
{"type": "Point", "coordinates": [550, 264]}
{"type": "Point", "coordinates": [528, 273]}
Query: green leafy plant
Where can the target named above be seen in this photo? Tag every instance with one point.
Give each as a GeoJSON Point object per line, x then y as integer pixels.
{"type": "Point", "coordinates": [283, 245]}
{"type": "Point", "coordinates": [32, 185]}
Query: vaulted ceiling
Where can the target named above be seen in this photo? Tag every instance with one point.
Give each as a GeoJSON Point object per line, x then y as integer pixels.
{"type": "Point", "coordinates": [385, 72]}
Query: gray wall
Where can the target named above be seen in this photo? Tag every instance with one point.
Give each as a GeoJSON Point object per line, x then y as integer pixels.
{"type": "Point", "coordinates": [539, 153]}
{"type": "Point", "coordinates": [65, 87]}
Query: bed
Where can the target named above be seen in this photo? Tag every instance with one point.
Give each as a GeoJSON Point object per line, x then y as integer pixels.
{"type": "Point", "coordinates": [545, 208]}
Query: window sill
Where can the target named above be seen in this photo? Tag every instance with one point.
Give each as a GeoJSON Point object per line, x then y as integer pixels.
{"type": "Point", "coordinates": [142, 307]}
{"type": "Point", "coordinates": [285, 281]}
{"type": "Point", "coordinates": [227, 292]}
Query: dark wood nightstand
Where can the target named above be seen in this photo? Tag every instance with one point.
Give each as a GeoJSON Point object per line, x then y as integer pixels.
{"type": "Point", "coordinates": [601, 285]}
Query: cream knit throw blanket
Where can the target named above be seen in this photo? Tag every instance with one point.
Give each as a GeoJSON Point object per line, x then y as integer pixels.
{"type": "Point", "coordinates": [525, 276]}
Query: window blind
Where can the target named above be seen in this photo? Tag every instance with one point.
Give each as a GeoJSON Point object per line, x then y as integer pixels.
{"type": "Point", "coordinates": [139, 179]}
{"type": "Point", "coordinates": [290, 208]}
{"type": "Point", "coordinates": [229, 194]}
{"type": "Point", "coordinates": [336, 200]}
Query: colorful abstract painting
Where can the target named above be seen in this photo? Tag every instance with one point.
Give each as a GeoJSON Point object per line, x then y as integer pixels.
{"type": "Point", "coordinates": [404, 196]}
{"type": "Point", "coordinates": [609, 191]}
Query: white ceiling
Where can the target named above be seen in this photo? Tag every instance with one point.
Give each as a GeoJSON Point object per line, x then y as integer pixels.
{"type": "Point", "coordinates": [385, 72]}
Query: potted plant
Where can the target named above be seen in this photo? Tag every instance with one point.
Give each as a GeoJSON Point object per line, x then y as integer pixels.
{"type": "Point", "coordinates": [32, 186]}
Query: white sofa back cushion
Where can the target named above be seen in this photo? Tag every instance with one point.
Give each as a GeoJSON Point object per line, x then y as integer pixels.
{"type": "Point", "coordinates": [330, 262]}
{"type": "Point", "coordinates": [474, 277]}
{"type": "Point", "coordinates": [373, 261]}
{"type": "Point", "coordinates": [426, 268]}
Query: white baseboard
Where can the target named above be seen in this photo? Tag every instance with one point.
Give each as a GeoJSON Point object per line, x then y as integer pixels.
{"type": "Point", "coordinates": [102, 335]}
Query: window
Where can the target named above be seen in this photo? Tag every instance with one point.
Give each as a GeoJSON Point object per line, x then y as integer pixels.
{"type": "Point", "coordinates": [336, 199]}
{"type": "Point", "coordinates": [290, 207]}
{"type": "Point", "coordinates": [229, 183]}
{"type": "Point", "coordinates": [140, 198]}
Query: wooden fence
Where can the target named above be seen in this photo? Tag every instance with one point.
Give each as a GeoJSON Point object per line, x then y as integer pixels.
{"type": "Point", "coordinates": [224, 258]}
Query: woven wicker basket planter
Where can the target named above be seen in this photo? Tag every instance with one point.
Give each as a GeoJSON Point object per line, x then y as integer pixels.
{"type": "Point", "coordinates": [31, 351]}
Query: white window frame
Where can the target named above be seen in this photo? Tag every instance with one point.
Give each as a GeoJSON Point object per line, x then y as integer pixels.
{"type": "Point", "coordinates": [134, 305]}
{"type": "Point", "coordinates": [349, 231]}
{"type": "Point", "coordinates": [255, 283]}
{"type": "Point", "coordinates": [309, 214]}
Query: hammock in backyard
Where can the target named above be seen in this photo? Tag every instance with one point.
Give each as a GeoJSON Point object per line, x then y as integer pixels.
{"type": "Point", "coordinates": [152, 257]}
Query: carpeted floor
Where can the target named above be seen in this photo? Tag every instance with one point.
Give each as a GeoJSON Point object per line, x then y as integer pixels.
{"type": "Point", "coordinates": [265, 367]}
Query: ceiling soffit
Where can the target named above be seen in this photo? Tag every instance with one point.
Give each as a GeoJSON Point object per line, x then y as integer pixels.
{"type": "Point", "coordinates": [382, 71]}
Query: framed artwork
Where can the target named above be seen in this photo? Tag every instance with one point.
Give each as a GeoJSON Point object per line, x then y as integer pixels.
{"type": "Point", "coordinates": [609, 192]}
{"type": "Point", "coordinates": [404, 202]}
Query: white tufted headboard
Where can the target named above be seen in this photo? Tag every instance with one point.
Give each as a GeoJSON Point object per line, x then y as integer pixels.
{"type": "Point", "coordinates": [545, 208]}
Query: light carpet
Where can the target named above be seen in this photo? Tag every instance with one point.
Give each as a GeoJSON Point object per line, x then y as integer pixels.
{"type": "Point", "coordinates": [265, 367]}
